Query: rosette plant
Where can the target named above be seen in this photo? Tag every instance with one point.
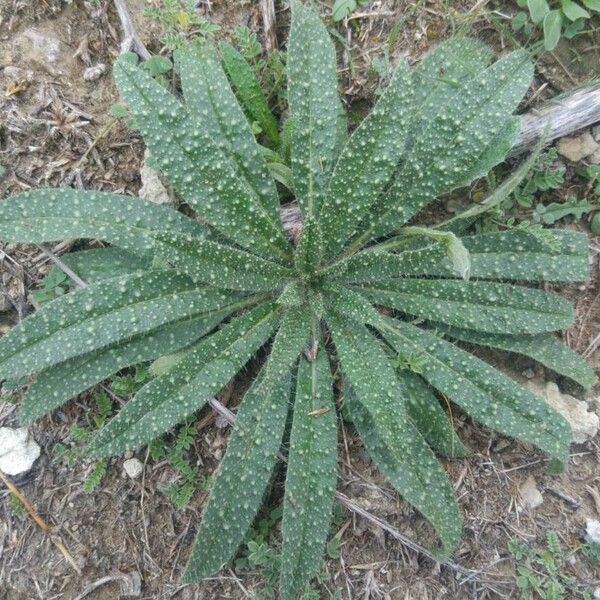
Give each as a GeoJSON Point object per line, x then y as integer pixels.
{"type": "Point", "coordinates": [362, 313]}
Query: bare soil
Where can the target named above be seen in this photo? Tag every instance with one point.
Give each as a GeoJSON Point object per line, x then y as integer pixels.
{"type": "Point", "coordinates": [57, 129]}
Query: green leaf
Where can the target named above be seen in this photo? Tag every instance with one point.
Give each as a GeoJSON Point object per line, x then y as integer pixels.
{"type": "Point", "coordinates": [573, 11]}
{"type": "Point", "coordinates": [291, 338]}
{"type": "Point", "coordinates": [50, 214]}
{"type": "Point", "coordinates": [169, 399]}
{"type": "Point", "coordinates": [309, 251]}
{"type": "Point", "coordinates": [457, 143]}
{"type": "Point", "coordinates": [545, 348]}
{"type": "Point", "coordinates": [343, 8]}
{"type": "Point", "coordinates": [242, 478]}
{"type": "Point", "coordinates": [393, 442]}
{"type": "Point", "coordinates": [311, 476]}
{"type": "Point", "coordinates": [480, 305]}
{"type": "Point", "coordinates": [200, 168]}
{"type": "Point", "coordinates": [56, 385]}
{"type": "Point", "coordinates": [223, 266]}
{"type": "Point", "coordinates": [552, 29]}
{"type": "Point", "coordinates": [249, 92]}
{"type": "Point", "coordinates": [538, 9]}
{"type": "Point", "coordinates": [367, 162]}
{"type": "Point", "coordinates": [97, 264]}
{"type": "Point", "coordinates": [209, 98]}
{"type": "Point", "coordinates": [429, 417]}
{"type": "Point", "coordinates": [157, 65]}
{"type": "Point", "coordinates": [104, 313]}
{"type": "Point", "coordinates": [592, 4]}
{"type": "Point", "coordinates": [523, 255]}
{"type": "Point", "coordinates": [314, 105]}
{"type": "Point", "coordinates": [486, 394]}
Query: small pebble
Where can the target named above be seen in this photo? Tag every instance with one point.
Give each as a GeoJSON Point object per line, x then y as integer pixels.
{"type": "Point", "coordinates": [133, 467]}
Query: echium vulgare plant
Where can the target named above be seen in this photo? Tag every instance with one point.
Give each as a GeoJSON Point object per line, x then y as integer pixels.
{"type": "Point", "coordinates": [363, 304]}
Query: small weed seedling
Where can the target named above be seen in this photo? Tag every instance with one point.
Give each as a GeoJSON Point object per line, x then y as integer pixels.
{"type": "Point", "coordinates": [556, 18]}
{"type": "Point", "coordinates": [358, 288]}
{"type": "Point", "coordinates": [543, 572]}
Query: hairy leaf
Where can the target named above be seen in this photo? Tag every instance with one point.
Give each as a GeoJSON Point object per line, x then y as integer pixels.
{"type": "Point", "coordinates": [249, 92]}
{"type": "Point", "coordinates": [101, 314]}
{"type": "Point", "coordinates": [558, 255]}
{"type": "Point", "coordinates": [367, 162]}
{"type": "Point", "coordinates": [242, 478]}
{"type": "Point", "coordinates": [209, 97]}
{"type": "Point", "coordinates": [314, 106]}
{"type": "Point", "coordinates": [56, 385]}
{"type": "Point", "coordinates": [168, 399]}
{"type": "Point", "coordinates": [311, 476]}
{"type": "Point", "coordinates": [458, 143]}
{"type": "Point", "coordinates": [479, 305]}
{"type": "Point", "coordinates": [220, 265]}
{"type": "Point", "coordinates": [200, 168]}
{"type": "Point", "coordinates": [50, 214]}
{"type": "Point", "coordinates": [96, 264]}
{"type": "Point", "coordinates": [545, 348]}
{"type": "Point", "coordinates": [429, 417]}
{"type": "Point", "coordinates": [396, 446]}
{"type": "Point", "coordinates": [486, 394]}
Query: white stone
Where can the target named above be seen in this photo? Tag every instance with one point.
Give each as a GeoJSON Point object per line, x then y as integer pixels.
{"type": "Point", "coordinates": [18, 450]}
{"type": "Point", "coordinates": [577, 148]}
{"type": "Point", "coordinates": [530, 495]}
{"type": "Point", "coordinates": [133, 467]}
{"type": "Point", "coordinates": [584, 424]}
{"type": "Point", "coordinates": [592, 531]}
{"type": "Point", "coordinates": [93, 73]}
{"type": "Point", "coordinates": [597, 593]}
{"type": "Point", "coordinates": [153, 188]}
{"type": "Point", "coordinates": [46, 48]}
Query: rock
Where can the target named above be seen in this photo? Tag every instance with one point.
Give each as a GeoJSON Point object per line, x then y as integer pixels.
{"type": "Point", "coordinates": [45, 47]}
{"type": "Point", "coordinates": [592, 531]}
{"type": "Point", "coordinates": [18, 450]}
{"type": "Point", "coordinates": [584, 424]}
{"type": "Point", "coordinates": [597, 593]}
{"type": "Point", "coordinates": [93, 73]}
{"type": "Point", "coordinates": [133, 467]}
{"type": "Point", "coordinates": [153, 188]}
{"type": "Point", "coordinates": [530, 495]}
{"type": "Point", "coordinates": [577, 148]}
{"type": "Point", "coordinates": [595, 158]}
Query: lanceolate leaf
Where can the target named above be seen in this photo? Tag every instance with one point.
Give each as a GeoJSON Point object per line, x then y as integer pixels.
{"type": "Point", "coordinates": [486, 394]}
{"type": "Point", "coordinates": [314, 105]}
{"type": "Point", "coordinates": [458, 144]}
{"type": "Point", "coordinates": [201, 169]}
{"type": "Point", "coordinates": [47, 214]}
{"type": "Point", "coordinates": [429, 417]}
{"type": "Point", "coordinates": [311, 476]}
{"type": "Point", "coordinates": [101, 314]}
{"type": "Point", "coordinates": [97, 264]}
{"type": "Point", "coordinates": [209, 98]}
{"type": "Point", "coordinates": [545, 348]}
{"type": "Point", "coordinates": [242, 478]}
{"type": "Point", "coordinates": [220, 265]}
{"type": "Point", "coordinates": [367, 162]}
{"type": "Point", "coordinates": [390, 437]}
{"type": "Point", "coordinates": [168, 399]}
{"type": "Point", "coordinates": [249, 92]}
{"type": "Point", "coordinates": [557, 255]}
{"type": "Point", "coordinates": [292, 337]}
{"type": "Point", "coordinates": [479, 305]}
{"type": "Point", "coordinates": [56, 385]}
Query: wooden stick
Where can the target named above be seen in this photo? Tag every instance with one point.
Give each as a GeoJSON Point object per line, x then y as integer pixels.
{"type": "Point", "coordinates": [39, 521]}
{"type": "Point", "coordinates": [131, 40]}
{"type": "Point", "coordinates": [562, 115]}
{"type": "Point", "coordinates": [267, 8]}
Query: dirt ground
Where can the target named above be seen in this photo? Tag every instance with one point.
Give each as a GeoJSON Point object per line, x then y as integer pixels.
{"type": "Point", "coordinates": [56, 128]}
